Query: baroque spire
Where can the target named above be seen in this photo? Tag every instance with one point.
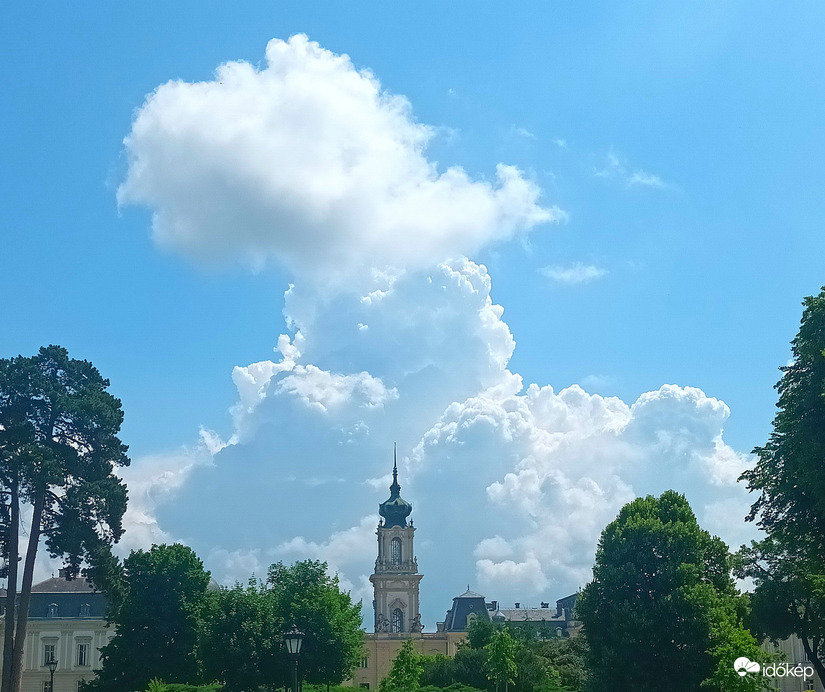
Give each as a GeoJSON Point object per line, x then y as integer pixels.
{"type": "Point", "coordinates": [395, 510]}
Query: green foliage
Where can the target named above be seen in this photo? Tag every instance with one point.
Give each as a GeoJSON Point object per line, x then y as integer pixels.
{"type": "Point", "coordinates": [158, 622]}
{"type": "Point", "coordinates": [405, 674]}
{"type": "Point", "coordinates": [788, 567]}
{"type": "Point", "coordinates": [501, 659]}
{"type": "Point", "coordinates": [156, 685]}
{"type": "Point", "coordinates": [438, 671]}
{"type": "Point", "coordinates": [455, 687]}
{"type": "Point", "coordinates": [567, 656]}
{"type": "Point", "coordinates": [469, 667]}
{"type": "Point", "coordinates": [788, 474]}
{"type": "Point", "coordinates": [662, 604]}
{"type": "Point", "coordinates": [58, 452]}
{"type": "Point", "coordinates": [304, 594]}
{"type": "Point", "coordinates": [789, 597]}
{"type": "Point", "coordinates": [480, 632]}
{"type": "Point", "coordinates": [240, 639]}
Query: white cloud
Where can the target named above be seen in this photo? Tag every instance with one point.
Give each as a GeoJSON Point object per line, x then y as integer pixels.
{"type": "Point", "coordinates": [577, 273]}
{"type": "Point", "coordinates": [644, 179]}
{"type": "Point", "coordinates": [309, 163]}
{"type": "Point", "coordinates": [517, 131]}
{"type": "Point", "coordinates": [353, 547]}
{"type": "Point", "coordinates": [614, 168]}
{"type": "Point", "coordinates": [157, 478]}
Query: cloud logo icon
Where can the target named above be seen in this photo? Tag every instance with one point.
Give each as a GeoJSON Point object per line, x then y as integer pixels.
{"type": "Point", "coordinates": [743, 666]}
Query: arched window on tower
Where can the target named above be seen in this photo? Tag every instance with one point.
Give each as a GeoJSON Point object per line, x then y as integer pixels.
{"type": "Point", "coordinates": [395, 551]}
{"type": "Point", "coordinates": [397, 623]}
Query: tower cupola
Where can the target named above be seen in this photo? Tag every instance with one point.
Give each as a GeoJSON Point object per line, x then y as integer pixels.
{"type": "Point", "coordinates": [395, 510]}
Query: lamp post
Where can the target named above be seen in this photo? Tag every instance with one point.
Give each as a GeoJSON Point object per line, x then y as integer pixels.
{"type": "Point", "coordinates": [52, 664]}
{"type": "Point", "coordinates": [294, 638]}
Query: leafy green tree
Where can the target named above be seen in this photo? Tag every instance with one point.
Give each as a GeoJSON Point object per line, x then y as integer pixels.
{"type": "Point", "coordinates": [240, 638]}
{"type": "Point", "coordinates": [789, 474]}
{"type": "Point", "coordinates": [470, 666]}
{"type": "Point", "coordinates": [501, 659]}
{"type": "Point", "coordinates": [58, 452]}
{"type": "Point", "coordinates": [662, 605]}
{"type": "Point", "coordinates": [158, 621]}
{"type": "Point", "coordinates": [789, 597]}
{"type": "Point", "coordinates": [480, 632]}
{"type": "Point", "coordinates": [438, 671]}
{"type": "Point", "coordinates": [406, 671]}
{"type": "Point", "coordinates": [788, 567]}
{"type": "Point", "coordinates": [568, 656]}
{"type": "Point", "coordinates": [307, 596]}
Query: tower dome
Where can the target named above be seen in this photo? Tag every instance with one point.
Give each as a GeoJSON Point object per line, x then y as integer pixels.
{"type": "Point", "coordinates": [395, 510]}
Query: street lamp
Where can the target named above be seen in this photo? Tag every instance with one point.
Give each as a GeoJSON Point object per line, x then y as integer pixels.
{"type": "Point", "coordinates": [294, 638]}
{"type": "Point", "coordinates": [52, 664]}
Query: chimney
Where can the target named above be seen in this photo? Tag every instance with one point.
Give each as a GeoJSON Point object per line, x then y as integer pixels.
{"type": "Point", "coordinates": [63, 573]}
{"type": "Point", "coordinates": [544, 604]}
{"type": "Point", "coordinates": [518, 605]}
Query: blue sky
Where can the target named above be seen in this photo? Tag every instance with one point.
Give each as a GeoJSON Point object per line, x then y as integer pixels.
{"type": "Point", "coordinates": [669, 158]}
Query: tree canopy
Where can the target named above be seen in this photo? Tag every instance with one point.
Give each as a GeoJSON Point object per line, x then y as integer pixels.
{"type": "Point", "coordinates": [662, 608]}
{"type": "Point", "coordinates": [307, 596]}
{"type": "Point", "coordinates": [58, 452]}
{"type": "Point", "coordinates": [788, 567]}
{"type": "Point", "coordinates": [240, 640]}
{"type": "Point", "coordinates": [158, 621]}
{"type": "Point", "coordinates": [789, 474]}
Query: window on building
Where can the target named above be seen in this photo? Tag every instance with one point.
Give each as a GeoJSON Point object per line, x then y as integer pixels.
{"type": "Point", "coordinates": [365, 661]}
{"type": "Point", "coordinates": [48, 653]}
{"type": "Point", "coordinates": [52, 610]}
{"type": "Point", "coordinates": [364, 685]}
{"type": "Point", "coordinates": [395, 551]}
{"type": "Point", "coordinates": [83, 654]}
{"type": "Point", "coordinates": [397, 623]}
{"type": "Point", "coordinates": [85, 610]}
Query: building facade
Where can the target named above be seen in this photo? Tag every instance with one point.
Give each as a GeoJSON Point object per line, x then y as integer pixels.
{"type": "Point", "coordinates": [67, 622]}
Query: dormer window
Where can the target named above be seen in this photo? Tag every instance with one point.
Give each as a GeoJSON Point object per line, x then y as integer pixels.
{"type": "Point", "coordinates": [52, 610]}
{"type": "Point", "coordinates": [85, 610]}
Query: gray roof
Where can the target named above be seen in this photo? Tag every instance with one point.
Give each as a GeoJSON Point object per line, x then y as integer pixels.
{"type": "Point", "coordinates": [464, 606]}
{"type": "Point", "coordinates": [470, 594]}
{"type": "Point", "coordinates": [529, 615]}
{"type": "Point", "coordinates": [63, 585]}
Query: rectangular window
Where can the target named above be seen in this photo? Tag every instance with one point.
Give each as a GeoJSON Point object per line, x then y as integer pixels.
{"type": "Point", "coordinates": [48, 653]}
{"type": "Point", "coordinates": [83, 654]}
{"type": "Point", "coordinates": [364, 685]}
{"type": "Point", "coordinates": [365, 662]}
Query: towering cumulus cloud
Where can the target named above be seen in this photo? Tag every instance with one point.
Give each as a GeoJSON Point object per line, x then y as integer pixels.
{"type": "Point", "coordinates": [391, 334]}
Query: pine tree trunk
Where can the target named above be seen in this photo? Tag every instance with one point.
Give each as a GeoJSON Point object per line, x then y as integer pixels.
{"type": "Point", "coordinates": [25, 593]}
{"type": "Point", "coordinates": [13, 543]}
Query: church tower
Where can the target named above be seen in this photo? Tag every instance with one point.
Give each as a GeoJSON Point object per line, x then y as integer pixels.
{"type": "Point", "coordinates": [395, 580]}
